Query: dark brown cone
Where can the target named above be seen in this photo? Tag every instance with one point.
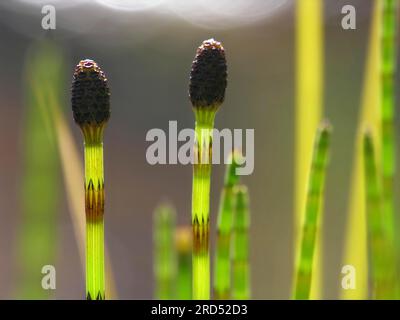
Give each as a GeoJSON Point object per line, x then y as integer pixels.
{"type": "Point", "coordinates": [208, 76]}
{"type": "Point", "coordinates": [90, 94]}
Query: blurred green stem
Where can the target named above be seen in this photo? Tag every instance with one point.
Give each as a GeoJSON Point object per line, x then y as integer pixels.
{"type": "Point", "coordinates": [40, 173]}
{"type": "Point", "coordinates": [240, 256]}
{"type": "Point", "coordinates": [381, 248]}
{"type": "Point", "coordinates": [388, 69]}
{"type": "Point", "coordinates": [222, 262]}
{"type": "Point", "coordinates": [165, 254]}
{"type": "Point", "coordinates": [316, 184]}
{"type": "Point", "coordinates": [184, 250]}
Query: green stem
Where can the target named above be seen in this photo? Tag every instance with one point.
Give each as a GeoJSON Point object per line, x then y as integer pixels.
{"type": "Point", "coordinates": [222, 264]}
{"type": "Point", "coordinates": [388, 69]}
{"type": "Point", "coordinates": [184, 276]}
{"type": "Point", "coordinates": [240, 256]}
{"type": "Point", "coordinates": [95, 259]}
{"type": "Point", "coordinates": [201, 204]}
{"type": "Point", "coordinates": [94, 205]}
{"type": "Point", "coordinates": [316, 183]}
{"type": "Point", "coordinates": [381, 250]}
{"type": "Point", "coordinates": [37, 232]}
{"type": "Point", "coordinates": [165, 254]}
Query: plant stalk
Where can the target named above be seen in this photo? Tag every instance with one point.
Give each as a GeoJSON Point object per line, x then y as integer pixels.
{"type": "Point", "coordinates": [94, 207]}
{"type": "Point", "coordinates": [388, 69]}
{"type": "Point", "coordinates": [380, 245]}
{"type": "Point", "coordinates": [201, 204]}
{"type": "Point", "coordinates": [240, 255]}
{"type": "Point", "coordinates": [165, 253]}
{"type": "Point", "coordinates": [184, 252]}
{"type": "Point", "coordinates": [222, 264]}
{"type": "Point", "coordinates": [316, 183]}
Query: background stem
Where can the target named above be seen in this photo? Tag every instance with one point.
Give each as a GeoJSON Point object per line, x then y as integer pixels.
{"type": "Point", "coordinates": [184, 251]}
{"type": "Point", "coordinates": [380, 245]}
{"type": "Point", "coordinates": [240, 254]}
{"type": "Point", "coordinates": [388, 67]}
{"type": "Point", "coordinates": [165, 253]}
{"type": "Point", "coordinates": [355, 253]}
{"type": "Point", "coordinates": [40, 180]}
{"type": "Point", "coordinates": [316, 182]}
{"type": "Point", "coordinates": [310, 66]}
{"type": "Point", "coordinates": [222, 263]}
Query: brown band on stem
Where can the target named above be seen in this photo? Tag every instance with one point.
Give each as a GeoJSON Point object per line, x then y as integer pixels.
{"type": "Point", "coordinates": [224, 239]}
{"type": "Point", "coordinates": [94, 200]}
{"type": "Point", "coordinates": [221, 295]}
{"type": "Point", "coordinates": [200, 236]}
{"type": "Point", "coordinates": [203, 154]}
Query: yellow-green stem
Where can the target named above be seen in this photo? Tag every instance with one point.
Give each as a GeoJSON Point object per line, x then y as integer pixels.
{"type": "Point", "coordinates": [165, 252]}
{"type": "Point", "coordinates": [95, 288]}
{"type": "Point", "coordinates": [222, 260]}
{"type": "Point", "coordinates": [94, 205]}
{"type": "Point", "coordinates": [388, 70]}
{"type": "Point", "coordinates": [201, 204]}
{"type": "Point", "coordinates": [184, 252]}
{"type": "Point", "coordinates": [382, 255]}
{"type": "Point", "coordinates": [240, 246]}
{"type": "Point", "coordinates": [314, 202]}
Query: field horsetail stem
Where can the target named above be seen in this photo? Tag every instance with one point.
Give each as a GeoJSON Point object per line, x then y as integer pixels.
{"type": "Point", "coordinates": [222, 261]}
{"type": "Point", "coordinates": [91, 111]}
{"type": "Point", "coordinates": [314, 203]}
{"type": "Point", "coordinates": [241, 289]}
{"type": "Point", "coordinates": [208, 80]}
{"type": "Point", "coordinates": [381, 253]}
{"type": "Point", "coordinates": [165, 264]}
{"type": "Point", "coordinates": [388, 69]}
{"type": "Point", "coordinates": [183, 242]}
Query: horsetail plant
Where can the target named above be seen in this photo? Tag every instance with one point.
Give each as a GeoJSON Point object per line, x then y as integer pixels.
{"type": "Point", "coordinates": [355, 253]}
{"type": "Point", "coordinates": [222, 261]}
{"type": "Point", "coordinates": [91, 111]}
{"type": "Point", "coordinates": [309, 19]}
{"type": "Point", "coordinates": [388, 69]}
{"type": "Point", "coordinates": [314, 201]}
{"type": "Point", "coordinates": [381, 252]}
{"type": "Point", "coordinates": [183, 238]}
{"type": "Point", "coordinates": [240, 245]}
{"type": "Point", "coordinates": [208, 80]}
{"type": "Point", "coordinates": [165, 255]}
{"type": "Point", "coordinates": [40, 180]}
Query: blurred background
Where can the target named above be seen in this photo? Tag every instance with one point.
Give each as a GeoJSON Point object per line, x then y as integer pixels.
{"type": "Point", "coordinates": [146, 49]}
